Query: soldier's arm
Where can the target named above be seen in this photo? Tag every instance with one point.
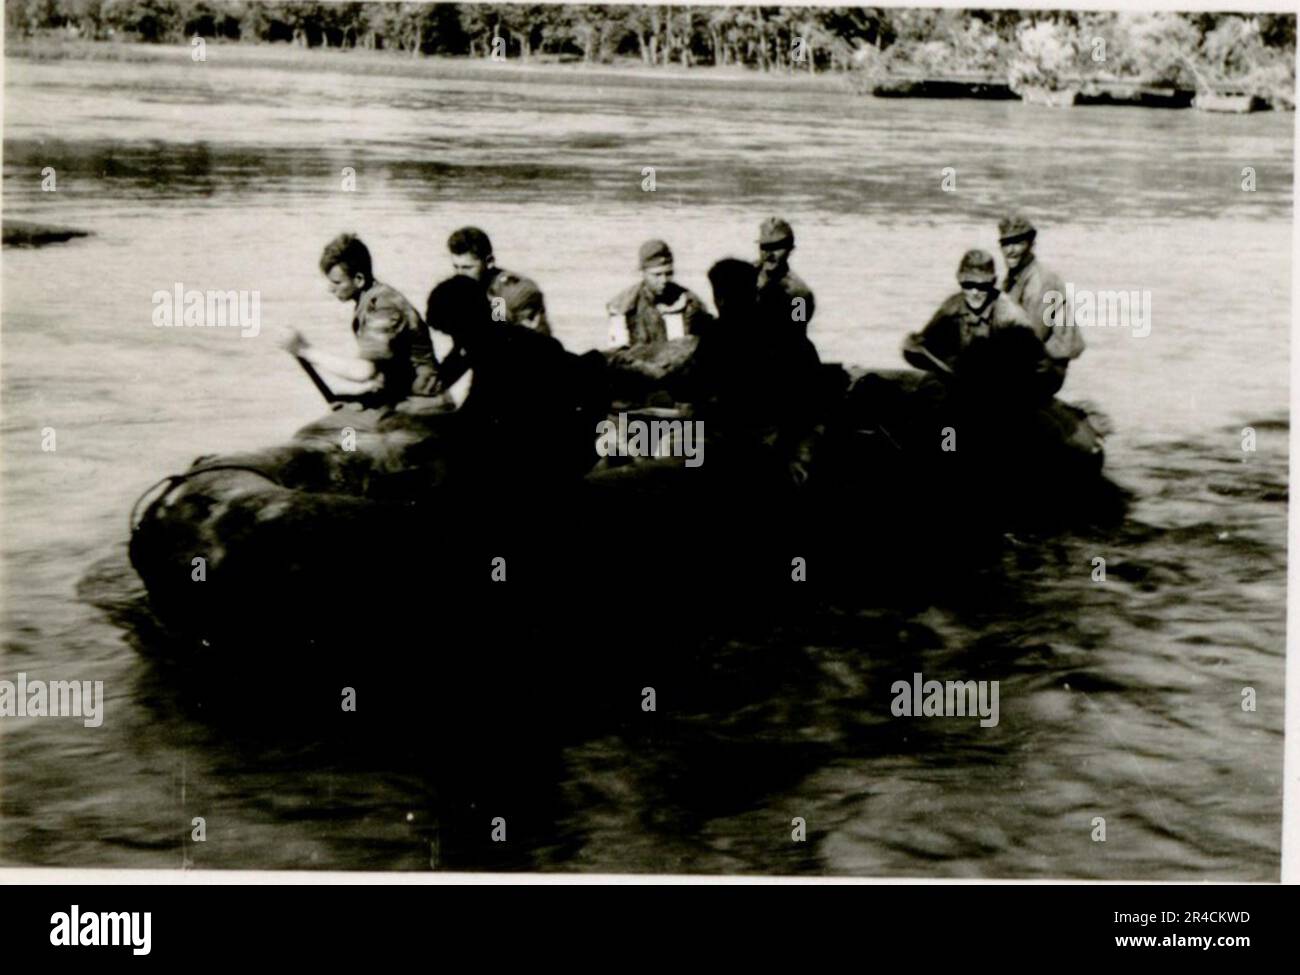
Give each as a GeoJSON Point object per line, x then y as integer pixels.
{"type": "Point", "coordinates": [385, 334]}
{"type": "Point", "coordinates": [696, 316]}
{"type": "Point", "coordinates": [543, 326]}
{"type": "Point", "coordinates": [452, 368]}
{"type": "Point", "coordinates": [348, 368]}
{"type": "Point", "coordinates": [1010, 314]}
{"type": "Point", "coordinates": [925, 349]}
{"type": "Point", "coordinates": [1064, 340]}
{"type": "Point", "coordinates": [917, 355]}
{"type": "Point", "coordinates": [340, 367]}
{"type": "Point", "coordinates": [619, 334]}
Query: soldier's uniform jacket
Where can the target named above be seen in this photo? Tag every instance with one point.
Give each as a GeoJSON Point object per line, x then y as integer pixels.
{"type": "Point", "coordinates": [956, 325]}
{"type": "Point", "coordinates": [776, 298]}
{"type": "Point", "coordinates": [499, 285]}
{"type": "Point", "coordinates": [1026, 286]}
{"type": "Point", "coordinates": [391, 334]}
{"type": "Point", "coordinates": [638, 318]}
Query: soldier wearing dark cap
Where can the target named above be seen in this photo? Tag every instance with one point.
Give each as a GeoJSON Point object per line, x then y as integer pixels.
{"type": "Point", "coordinates": [1041, 293]}
{"type": "Point", "coordinates": [657, 309]}
{"type": "Point", "coordinates": [472, 257]}
{"type": "Point", "coordinates": [782, 294]}
{"type": "Point", "coordinates": [531, 404]}
{"type": "Point", "coordinates": [394, 357]}
{"type": "Point", "coordinates": [965, 318]}
{"type": "Point", "coordinates": [755, 382]}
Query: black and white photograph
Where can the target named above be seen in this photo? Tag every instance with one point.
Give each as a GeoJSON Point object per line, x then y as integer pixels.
{"type": "Point", "coordinates": [655, 441]}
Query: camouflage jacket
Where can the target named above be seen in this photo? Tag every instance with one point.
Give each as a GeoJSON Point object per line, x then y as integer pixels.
{"type": "Point", "coordinates": [391, 334]}
{"type": "Point", "coordinates": [638, 318]}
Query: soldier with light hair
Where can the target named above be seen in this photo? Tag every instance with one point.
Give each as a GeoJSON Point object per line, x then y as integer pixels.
{"type": "Point", "coordinates": [394, 357]}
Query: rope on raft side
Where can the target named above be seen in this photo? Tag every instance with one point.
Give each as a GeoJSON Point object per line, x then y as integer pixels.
{"type": "Point", "coordinates": [173, 481]}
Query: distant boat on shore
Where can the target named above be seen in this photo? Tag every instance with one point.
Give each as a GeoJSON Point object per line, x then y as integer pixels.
{"type": "Point", "coordinates": [1234, 103]}
{"type": "Point", "coordinates": [1053, 97]}
{"type": "Point", "coordinates": [1073, 92]}
{"type": "Point", "coordinates": [26, 233]}
{"type": "Point", "coordinates": [1134, 93]}
{"type": "Point", "coordinates": [980, 87]}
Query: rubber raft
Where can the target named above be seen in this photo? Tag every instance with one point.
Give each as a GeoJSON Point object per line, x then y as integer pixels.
{"type": "Point", "coordinates": [355, 522]}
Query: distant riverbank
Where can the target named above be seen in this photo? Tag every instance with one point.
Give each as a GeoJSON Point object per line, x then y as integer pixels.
{"type": "Point", "coordinates": [286, 57]}
{"type": "Point", "coordinates": [625, 72]}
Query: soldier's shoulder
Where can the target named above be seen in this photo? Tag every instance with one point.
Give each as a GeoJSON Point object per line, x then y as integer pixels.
{"type": "Point", "coordinates": [1049, 279]}
{"type": "Point", "coordinates": [624, 301]}
{"type": "Point", "coordinates": [536, 343]}
{"type": "Point", "coordinates": [797, 285]}
{"type": "Point", "coordinates": [693, 300]}
{"type": "Point", "coordinates": [505, 278]}
{"type": "Point", "coordinates": [381, 295]}
{"type": "Point", "coordinates": [952, 305]}
{"type": "Point", "coordinates": [678, 299]}
{"type": "Point", "coordinates": [1007, 311]}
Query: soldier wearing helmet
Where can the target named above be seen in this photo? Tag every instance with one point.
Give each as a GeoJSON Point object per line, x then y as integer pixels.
{"type": "Point", "coordinates": [965, 318]}
{"type": "Point", "coordinates": [782, 295]}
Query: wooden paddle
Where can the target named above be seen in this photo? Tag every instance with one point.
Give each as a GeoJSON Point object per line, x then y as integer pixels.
{"type": "Point", "coordinates": [316, 380]}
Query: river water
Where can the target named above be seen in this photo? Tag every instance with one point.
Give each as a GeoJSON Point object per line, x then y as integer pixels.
{"type": "Point", "coordinates": [1120, 700]}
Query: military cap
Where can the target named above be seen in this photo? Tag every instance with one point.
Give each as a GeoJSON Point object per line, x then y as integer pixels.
{"type": "Point", "coordinates": [1015, 227]}
{"type": "Point", "coordinates": [655, 253]}
{"type": "Point", "coordinates": [774, 230]}
{"type": "Point", "coordinates": [522, 296]}
{"type": "Point", "coordinates": [978, 266]}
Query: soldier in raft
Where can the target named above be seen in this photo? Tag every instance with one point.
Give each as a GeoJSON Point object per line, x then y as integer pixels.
{"type": "Point", "coordinates": [471, 257]}
{"type": "Point", "coordinates": [657, 309]}
{"type": "Point", "coordinates": [755, 382]}
{"type": "Point", "coordinates": [532, 406]}
{"type": "Point", "coordinates": [973, 314]}
{"type": "Point", "coordinates": [1041, 293]}
{"type": "Point", "coordinates": [394, 358]}
{"type": "Point", "coordinates": [517, 303]}
{"type": "Point", "coordinates": [782, 294]}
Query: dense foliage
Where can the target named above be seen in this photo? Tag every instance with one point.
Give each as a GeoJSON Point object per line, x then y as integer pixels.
{"type": "Point", "coordinates": [1047, 48]}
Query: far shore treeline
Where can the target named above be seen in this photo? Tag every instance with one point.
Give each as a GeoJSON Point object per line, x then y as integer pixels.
{"type": "Point", "coordinates": [1246, 53]}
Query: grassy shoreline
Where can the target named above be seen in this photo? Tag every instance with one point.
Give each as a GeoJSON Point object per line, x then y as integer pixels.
{"type": "Point", "coordinates": [550, 69]}
{"type": "Point", "coordinates": [285, 57]}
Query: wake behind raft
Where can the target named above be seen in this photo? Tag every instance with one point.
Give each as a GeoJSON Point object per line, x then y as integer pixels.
{"type": "Point", "coordinates": [390, 517]}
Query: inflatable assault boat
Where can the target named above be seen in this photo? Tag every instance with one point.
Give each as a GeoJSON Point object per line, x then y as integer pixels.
{"type": "Point", "coordinates": [359, 522]}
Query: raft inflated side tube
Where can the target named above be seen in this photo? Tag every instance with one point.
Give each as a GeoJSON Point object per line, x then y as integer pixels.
{"type": "Point", "coordinates": [367, 511]}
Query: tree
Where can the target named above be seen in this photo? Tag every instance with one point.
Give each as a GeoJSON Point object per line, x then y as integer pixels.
{"type": "Point", "coordinates": [149, 20]}
{"type": "Point", "coordinates": [205, 19]}
{"type": "Point", "coordinates": [1155, 47]}
{"type": "Point", "coordinates": [87, 15]}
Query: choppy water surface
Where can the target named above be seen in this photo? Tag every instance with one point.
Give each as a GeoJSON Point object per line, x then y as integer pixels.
{"type": "Point", "coordinates": [1119, 700]}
